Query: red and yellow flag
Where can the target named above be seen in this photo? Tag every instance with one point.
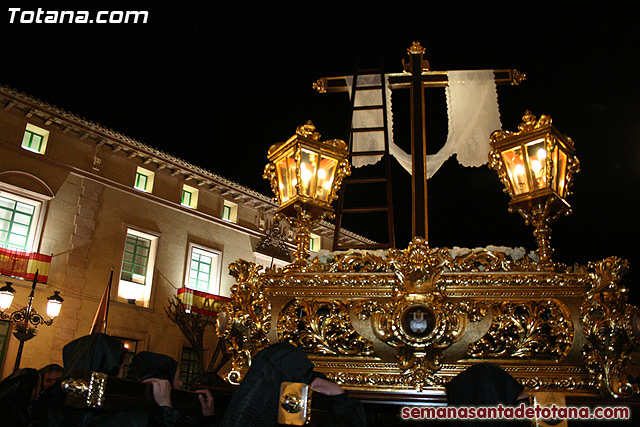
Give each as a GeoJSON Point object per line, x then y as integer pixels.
{"type": "Point", "coordinates": [209, 304]}
{"type": "Point", "coordinates": [24, 265]}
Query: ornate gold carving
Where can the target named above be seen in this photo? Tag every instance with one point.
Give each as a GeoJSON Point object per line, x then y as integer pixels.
{"type": "Point", "coordinates": [303, 222]}
{"type": "Point", "coordinates": [347, 301]}
{"type": "Point", "coordinates": [82, 393]}
{"type": "Point", "coordinates": [321, 327]}
{"type": "Point", "coordinates": [419, 268]}
{"type": "Point", "coordinates": [529, 123]}
{"type": "Point", "coordinates": [531, 329]}
{"type": "Point", "coordinates": [518, 77]}
{"type": "Point", "coordinates": [415, 47]}
{"type": "Point", "coordinates": [321, 85]}
{"type": "Point", "coordinates": [308, 130]}
{"type": "Point", "coordinates": [482, 260]}
{"type": "Point", "coordinates": [417, 321]}
{"type": "Point", "coordinates": [611, 327]}
{"type": "Point", "coordinates": [247, 318]}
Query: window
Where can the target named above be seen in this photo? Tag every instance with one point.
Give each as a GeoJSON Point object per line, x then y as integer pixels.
{"type": "Point", "coordinates": [189, 196]}
{"type": "Point", "coordinates": [144, 180]}
{"type": "Point", "coordinates": [188, 366]}
{"type": "Point", "coordinates": [136, 274]}
{"type": "Point", "coordinates": [19, 222]}
{"type": "Point", "coordinates": [314, 244]}
{"type": "Point", "coordinates": [35, 139]}
{"type": "Point", "coordinates": [230, 211]}
{"type": "Point", "coordinates": [203, 269]}
{"type": "Point", "coordinates": [131, 347]}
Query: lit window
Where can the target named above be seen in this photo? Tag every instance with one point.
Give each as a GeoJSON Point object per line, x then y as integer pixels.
{"type": "Point", "coordinates": [136, 274]}
{"type": "Point", "coordinates": [203, 269]}
{"type": "Point", "coordinates": [19, 222]}
{"type": "Point", "coordinates": [230, 211]}
{"type": "Point", "coordinates": [189, 197]}
{"type": "Point", "coordinates": [35, 139]}
{"type": "Point", "coordinates": [144, 180]}
{"type": "Point", "coordinates": [314, 243]}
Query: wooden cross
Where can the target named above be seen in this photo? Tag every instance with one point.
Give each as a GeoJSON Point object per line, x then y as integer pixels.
{"type": "Point", "coordinates": [416, 77]}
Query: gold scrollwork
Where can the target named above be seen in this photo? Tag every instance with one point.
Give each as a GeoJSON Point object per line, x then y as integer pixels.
{"type": "Point", "coordinates": [418, 268]}
{"type": "Point", "coordinates": [416, 47]}
{"type": "Point", "coordinates": [526, 329]}
{"type": "Point", "coordinates": [321, 327]}
{"type": "Point", "coordinates": [611, 328]}
{"type": "Point", "coordinates": [518, 77]}
{"type": "Point", "coordinates": [247, 318]}
{"type": "Point", "coordinates": [477, 260]}
{"type": "Point", "coordinates": [321, 85]}
{"type": "Point", "coordinates": [417, 320]}
{"type": "Point", "coordinates": [351, 261]}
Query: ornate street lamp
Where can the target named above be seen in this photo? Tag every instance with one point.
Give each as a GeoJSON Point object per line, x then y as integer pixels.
{"type": "Point", "coordinates": [27, 315]}
{"type": "Point", "coordinates": [305, 175]}
{"type": "Point", "coordinates": [536, 165]}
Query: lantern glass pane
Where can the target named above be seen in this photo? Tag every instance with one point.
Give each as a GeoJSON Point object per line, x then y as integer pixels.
{"type": "Point", "coordinates": [561, 169]}
{"type": "Point", "coordinates": [537, 157]}
{"type": "Point", "coordinates": [293, 175]}
{"type": "Point", "coordinates": [308, 172]}
{"type": "Point", "coordinates": [6, 298]}
{"type": "Point", "coordinates": [286, 169]}
{"type": "Point", "coordinates": [53, 308]}
{"type": "Point", "coordinates": [326, 174]}
{"type": "Point", "coordinates": [514, 162]}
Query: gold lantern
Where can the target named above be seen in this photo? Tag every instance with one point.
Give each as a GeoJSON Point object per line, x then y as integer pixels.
{"type": "Point", "coordinates": [536, 165]}
{"type": "Point", "coordinates": [305, 175]}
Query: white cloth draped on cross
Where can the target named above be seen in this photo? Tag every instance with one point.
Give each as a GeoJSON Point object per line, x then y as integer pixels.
{"type": "Point", "coordinates": [472, 105]}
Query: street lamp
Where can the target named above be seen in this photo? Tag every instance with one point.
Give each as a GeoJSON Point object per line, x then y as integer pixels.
{"type": "Point", "coordinates": [536, 165]}
{"type": "Point", "coordinates": [27, 315]}
{"type": "Point", "coordinates": [305, 175]}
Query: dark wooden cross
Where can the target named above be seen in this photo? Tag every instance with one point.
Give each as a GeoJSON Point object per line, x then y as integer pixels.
{"type": "Point", "coordinates": [416, 77]}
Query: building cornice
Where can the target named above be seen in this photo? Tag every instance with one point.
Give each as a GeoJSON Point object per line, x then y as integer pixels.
{"type": "Point", "coordinates": [98, 135]}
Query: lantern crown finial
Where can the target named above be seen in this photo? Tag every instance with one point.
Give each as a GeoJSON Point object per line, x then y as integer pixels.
{"type": "Point", "coordinates": [308, 130]}
{"type": "Point", "coordinates": [529, 121]}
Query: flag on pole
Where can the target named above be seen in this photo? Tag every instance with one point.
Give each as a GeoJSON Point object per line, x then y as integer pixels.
{"type": "Point", "coordinates": [100, 320]}
{"type": "Point", "coordinates": [24, 264]}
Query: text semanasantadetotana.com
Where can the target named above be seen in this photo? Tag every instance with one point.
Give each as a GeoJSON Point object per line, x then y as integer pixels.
{"type": "Point", "coordinates": [521, 412]}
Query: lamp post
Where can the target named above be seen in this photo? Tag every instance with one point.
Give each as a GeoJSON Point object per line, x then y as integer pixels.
{"type": "Point", "coordinates": [27, 315]}
{"type": "Point", "coordinates": [536, 166]}
{"type": "Point", "coordinates": [305, 175]}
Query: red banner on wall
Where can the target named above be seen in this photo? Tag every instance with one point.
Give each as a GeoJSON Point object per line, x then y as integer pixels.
{"type": "Point", "coordinates": [24, 265]}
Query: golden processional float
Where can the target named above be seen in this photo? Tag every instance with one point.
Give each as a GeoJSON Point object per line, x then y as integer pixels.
{"type": "Point", "coordinates": [404, 322]}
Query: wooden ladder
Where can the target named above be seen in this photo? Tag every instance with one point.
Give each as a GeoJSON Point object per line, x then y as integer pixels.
{"type": "Point", "coordinates": [370, 83]}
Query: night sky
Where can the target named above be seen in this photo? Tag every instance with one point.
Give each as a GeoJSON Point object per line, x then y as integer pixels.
{"type": "Point", "coordinates": [217, 85]}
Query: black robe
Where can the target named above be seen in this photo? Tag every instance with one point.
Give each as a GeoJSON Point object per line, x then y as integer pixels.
{"type": "Point", "coordinates": [255, 402]}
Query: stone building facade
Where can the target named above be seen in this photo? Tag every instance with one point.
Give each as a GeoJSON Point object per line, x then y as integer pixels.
{"type": "Point", "coordinates": [97, 200]}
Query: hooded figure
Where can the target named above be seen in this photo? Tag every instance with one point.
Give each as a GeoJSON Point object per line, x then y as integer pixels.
{"type": "Point", "coordinates": [485, 384]}
{"type": "Point", "coordinates": [255, 402]}
{"type": "Point", "coordinates": [96, 352]}
{"type": "Point", "coordinates": [152, 365]}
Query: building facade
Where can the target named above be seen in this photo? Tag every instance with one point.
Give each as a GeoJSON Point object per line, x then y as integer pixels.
{"type": "Point", "coordinates": [96, 201]}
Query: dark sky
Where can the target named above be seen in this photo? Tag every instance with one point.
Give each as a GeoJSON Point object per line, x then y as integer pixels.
{"type": "Point", "coordinates": [217, 85]}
